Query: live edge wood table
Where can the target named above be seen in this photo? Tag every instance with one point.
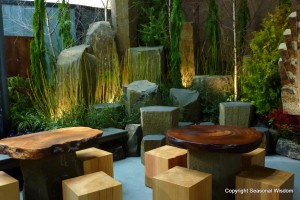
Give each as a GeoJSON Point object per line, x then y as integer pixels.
{"type": "Point", "coordinates": [47, 158]}
{"type": "Point", "coordinates": [216, 150]}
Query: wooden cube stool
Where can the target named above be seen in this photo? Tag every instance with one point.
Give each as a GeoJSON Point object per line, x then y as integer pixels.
{"type": "Point", "coordinates": [262, 183]}
{"type": "Point", "coordinates": [95, 160]}
{"type": "Point", "coordinates": [9, 187]}
{"type": "Point", "coordinates": [180, 183]}
{"type": "Point", "coordinates": [162, 159]}
{"type": "Point", "coordinates": [95, 186]}
{"type": "Point", "coordinates": [255, 157]}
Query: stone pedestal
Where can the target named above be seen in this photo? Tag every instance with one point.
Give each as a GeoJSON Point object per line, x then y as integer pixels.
{"type": "Point", "coordinates": [223, 167]}
{"type": "Point", "coordinates": [158, 119]}
{"type": "Point", "coordinates": [236, 114]}
{"type": "Point", "coordinates": [47, 174]}
{"type": "Point", "coordinates": [150, 142]}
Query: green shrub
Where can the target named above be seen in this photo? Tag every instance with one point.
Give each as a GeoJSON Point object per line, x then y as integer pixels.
{"type": "Point", "coordinates": [260, 80]}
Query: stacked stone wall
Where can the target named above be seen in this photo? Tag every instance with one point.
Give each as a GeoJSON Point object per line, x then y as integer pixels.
{"type": "Point", "coordinates": [289, 65]}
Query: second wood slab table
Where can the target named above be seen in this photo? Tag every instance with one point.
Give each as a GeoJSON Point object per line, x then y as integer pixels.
{"type": "Point", "coordinates": [48, 157]}
{"type": "Point", "coordinates": [216, 150]}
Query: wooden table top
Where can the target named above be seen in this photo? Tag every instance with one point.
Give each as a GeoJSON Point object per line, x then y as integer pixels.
{"type": "Point", "coordinates": [41, 144]}
{"type": "Point", "coordinates": [215, 138]}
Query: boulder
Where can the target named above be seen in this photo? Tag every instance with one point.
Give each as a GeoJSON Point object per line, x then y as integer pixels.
{"type": "Point", "coordinates": [188, 103]}
{"type": "Point", "coordinates": [76, 76]}
{"type": "Point", "coordinates": [101, 38]}
{"type": "Point", "coordinates": [143, 63]}
{"type": "Point", "coordinates": [288, 148]}
{"type": "Point", "coordinates": [135, 135]}
{"type": "Point", "coordinates": [150, 142]}
{"type": "Point", "coordinates": [141, 93]}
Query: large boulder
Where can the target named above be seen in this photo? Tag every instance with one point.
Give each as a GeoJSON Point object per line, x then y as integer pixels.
{"type": "Point", "coordinates": [141, 93]}
{"type": "Point", "coordinates": [288, 148]}
{"type": "Point", "coordinates": [101, 39]}
{"type": "Point", "coordinates": [143, 63]}
{"type": "Point", "coordinates": [76, 76]}
{"type": "Point", "coordinates": [188, 103]}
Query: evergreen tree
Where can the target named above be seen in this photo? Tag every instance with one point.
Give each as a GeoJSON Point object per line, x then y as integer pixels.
{"type": "Point", "coordinates": [65, 23]}
{"type": "Point", "coordinates": [212, 36]}
{"type": "Point", "coordinates": [176, 21]}
{"type": "Point", "coordinates": [37, 47]}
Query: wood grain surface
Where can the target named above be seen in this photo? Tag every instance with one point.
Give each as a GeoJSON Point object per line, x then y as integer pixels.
{"type": "Point", "coordinates": [215, 138]}
{"type": "Point", "coordinates": [41, 144]}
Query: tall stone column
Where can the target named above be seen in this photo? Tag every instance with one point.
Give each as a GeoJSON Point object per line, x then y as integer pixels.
{"type": "Point", "coordinates": [3, 84]}
{"type": "Point", "coordinates": [124, 22]}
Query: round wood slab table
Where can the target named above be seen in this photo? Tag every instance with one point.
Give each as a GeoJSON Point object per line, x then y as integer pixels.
{"type": "Point", "coordinates": [48, 157]}
{"type": "Point", "coordinates": [216, 150]}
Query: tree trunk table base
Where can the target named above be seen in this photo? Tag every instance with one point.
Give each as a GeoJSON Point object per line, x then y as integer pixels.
{"type": "Point", "coordinates": [223, 167]}
{"type": "Point", "coordinates": [43, 177]}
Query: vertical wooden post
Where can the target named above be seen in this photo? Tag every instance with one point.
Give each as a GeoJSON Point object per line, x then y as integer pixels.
{"type": "Point", "coordinates": [3, 83]}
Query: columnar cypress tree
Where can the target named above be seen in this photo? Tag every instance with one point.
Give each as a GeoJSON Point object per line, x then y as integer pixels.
{"type": "Point", "coordinates": [65, 24]}
{"type": "Point", "coordinates": [37, 47]}
{"type": "Point", "coordinates": [212, 36]}
{"type": "Point", "coordinates": [243, 18]}
{"type": "Point", "coordinates": [285, 2]}
{"type": "Point", "coordinates": [176, 21]}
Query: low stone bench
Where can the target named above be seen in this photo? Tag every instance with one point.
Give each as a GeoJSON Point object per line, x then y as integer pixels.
{"type": "Point", "coordinates": [114, 140]}
{"type": "Point", "coordinates": [95, 160]}
{"type": "Point", "coordinates": [264, 183]}
{"type": "Point", "coordinates": [236, 114]}
{"type": "Point", "coordinates": [158, 119]}
{"type": "Point", "coordinates": [150, 142]}
{"type": "Point", "coordinates": [95, 186]}
{"type": "Point", "coordinates": [182, 183]}
{"type": "Point", "coordinates": [161, 159]}
{"type": "Point", "coordinates": [9, 187]}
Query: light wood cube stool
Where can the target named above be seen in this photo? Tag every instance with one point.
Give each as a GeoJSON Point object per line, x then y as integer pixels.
{"type": "Point", "coordinates": [95, 160]}
{"type": "Point", "coordinates": [95, 186]}
{"type": "Point", "coordinates": [9, 187]}
{"type": "Point", "coordinates": [255, 157]}
{"type": "Point", "coordinates": [162, 159]}
{"type": "Point", "coordinates": [262, 183]}
{"type": "Point", "coordinates": [180, 183]}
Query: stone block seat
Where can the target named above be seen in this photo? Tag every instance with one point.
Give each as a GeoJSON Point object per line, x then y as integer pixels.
{"type": "Point", "coordinates": [95, 186]}
{"type": "Point", "coordinates": [262, 183]}
{"type": "Point", "coordinates": [150, 142]}
{"type": "Point", "coordinates": [162, 159]}
{"type": "Point", "coordinates": [180, 183]}
{"type": "Point", "coordinates": [255, 157]}
{"type": "Point", "coordinates": [9, 187]}
{"type": "Point", "coordinates": [114, 140]}
{"type": "Point", "coordinates": [236, 114]}
{"type": "Point", "coordinates": [95, 160]}
{"type": "Point", "coordinates": [158, 119]}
